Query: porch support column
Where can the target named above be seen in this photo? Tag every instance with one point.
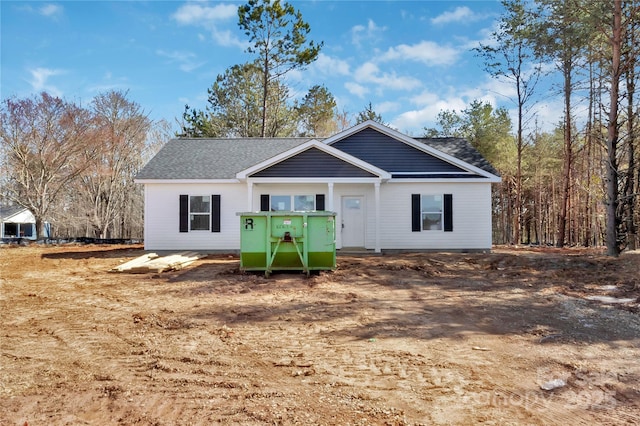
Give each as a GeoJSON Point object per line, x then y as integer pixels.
{"type": "Point", "coordinates": [249, 195]}
{"type": "Point", "coordinates": [330, 197]}
{"type": "Point", "coordinates": [376, 186]}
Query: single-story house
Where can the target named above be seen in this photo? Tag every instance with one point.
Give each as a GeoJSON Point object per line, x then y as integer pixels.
{"type": "Point", "coordinates": [389, 191]}
{"type": "Point", "coordinates": [17, 222]}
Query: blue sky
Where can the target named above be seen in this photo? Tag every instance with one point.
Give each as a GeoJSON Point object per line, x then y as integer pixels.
{"type": "Point", "coordinates": [410, 59]}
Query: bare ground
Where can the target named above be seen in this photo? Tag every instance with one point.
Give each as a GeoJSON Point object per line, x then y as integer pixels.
{"type": "Point", "coordinates": [384, 340]}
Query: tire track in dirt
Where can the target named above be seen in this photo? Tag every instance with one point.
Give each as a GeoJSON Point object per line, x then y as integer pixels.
{"type": "Point", "coordinates": [384, 340]}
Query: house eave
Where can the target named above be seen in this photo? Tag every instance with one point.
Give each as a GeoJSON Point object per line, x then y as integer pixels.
{"type": "Point", "coordinates": [321, 180]}
{"type": "Point", "coordinates": [446, 180]}
{"type": "Point", "coordinates": [184, 181]}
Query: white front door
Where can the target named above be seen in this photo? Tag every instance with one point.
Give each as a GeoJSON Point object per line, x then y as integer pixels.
{"type": "Point", "coordinates": [353, 221]}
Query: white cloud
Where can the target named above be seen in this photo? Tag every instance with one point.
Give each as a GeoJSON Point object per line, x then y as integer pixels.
{"type": "Point", "coordinates": [212, 18]}
{"type": "Point", "coordinates": [427, 52]}
{"type": "Point", "coordinates": [370, 73]}
{"type": "Point", "coordinates": [497, 92]}
{"type": "Point", "coordinates": [330, 66]}
{"type": "Point", "coordinates": [356, 89]}
{"type": "Point", "coordinates": [227, 38]}
{"type": "Point", "coordinates": [366, 72]}
{"type": "Point", "coordinates": [371, 31]}
{"type": "Point", "coordinates": [50, 10]}
{"type": "Point", "coordinates": [428, 105]}
{"type": "Point", "coordinates": [199, 14]}
{"type": "Point", "coordinates": [486, 36]}
{"type": "Point", "coordinates": [459, 14]}
{"type": "Point", "coordinates": [492, 89]}
{"type": "Point", "coordinates": [548, 114]}
{"type": "Point", "coordinates": [39, 80]}
{"type": "Point", "coordinates": [108, 83]}
{"type": "Point", "coordinates": [106, 87]}
{"type": "Point", "coordinates": [385, 107]}
{"type": "Point", "coordinates": [186, 60]}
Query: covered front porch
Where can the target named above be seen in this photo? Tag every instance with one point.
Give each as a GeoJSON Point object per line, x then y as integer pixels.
{"type": "Point", "coordinates": [357, 205]}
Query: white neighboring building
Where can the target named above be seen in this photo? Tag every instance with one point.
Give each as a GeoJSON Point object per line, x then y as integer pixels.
{"type": "Point", "coordinates": [389, 191]}
{"type": "Point", "coordinates": [17, 222]}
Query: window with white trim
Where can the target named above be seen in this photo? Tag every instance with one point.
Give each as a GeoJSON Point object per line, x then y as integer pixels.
{"type": "Point", "coordinates": [431, 210]}
{"type": "Point", "coordinates": [199, 212]}
{"type": "Point", "coordinates": [301, 203]}
{"type": "Point", "coordinates": [304, 203]}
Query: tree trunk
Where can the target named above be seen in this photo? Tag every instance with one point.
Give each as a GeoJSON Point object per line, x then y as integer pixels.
{"type": "Point", "coordinates": [265, 93]}
{"type": "Point", "coordinates": [629, 187]}
{"type": "Point", "coordinates": [613, 249]}
{"type": "Point", "coordinates": [40, 231]}
{"type": "Point", "coordinates": [518, 215]}
{"type": "Point", "coordinates": [568, 154]}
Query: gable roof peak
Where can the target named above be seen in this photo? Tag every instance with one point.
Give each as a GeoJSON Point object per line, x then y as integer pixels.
{"type": "Point", "coordinates": [364, 125]}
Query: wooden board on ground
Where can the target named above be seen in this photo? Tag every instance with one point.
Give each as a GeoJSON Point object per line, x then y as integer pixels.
{"type": "Point", "coordinates": [172, 262]}
{"type": "Point", "coordinates": [140, 260]}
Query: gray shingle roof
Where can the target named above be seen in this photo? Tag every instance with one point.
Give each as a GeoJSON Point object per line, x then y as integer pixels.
{"type": "Point", "coordinates": [460, 149]}
{"type": "Point", "coordinates": [223, 158]}
{"type": "Point", "coordinates": [213, 158]}
{"type": "Point", "coordinates": [8, 211]}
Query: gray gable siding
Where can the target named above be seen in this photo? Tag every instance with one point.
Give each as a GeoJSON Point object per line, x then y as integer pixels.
{"type": "Point", "coordinates": [313, 163]}
{"type": "Point", "coordinates": [392, 155]}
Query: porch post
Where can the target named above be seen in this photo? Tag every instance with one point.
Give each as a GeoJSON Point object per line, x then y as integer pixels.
{"type": "Point", "coordinates": [377, 227]}
{"type": "Point", "coordinates": [330, 197]}
{"type": "Point", "coordinates": [249, 195]}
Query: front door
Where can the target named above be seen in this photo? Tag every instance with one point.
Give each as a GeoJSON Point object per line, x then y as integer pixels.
{"type": "Point", "coordinates": [353, 221]}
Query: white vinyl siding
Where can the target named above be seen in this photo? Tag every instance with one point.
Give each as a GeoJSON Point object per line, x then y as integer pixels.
{"type": "Point", "coordinates": [162, 211]}
{"type": "Point", "coordinates": [471, 217]}
{"type": "Point", "coordinates": [471, 214]}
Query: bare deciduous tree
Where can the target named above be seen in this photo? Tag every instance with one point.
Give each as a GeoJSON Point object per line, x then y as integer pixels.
{"type": "Point", "coordinates": [46, 143]}
{"type": "Point", "coordinates": [106, 186]}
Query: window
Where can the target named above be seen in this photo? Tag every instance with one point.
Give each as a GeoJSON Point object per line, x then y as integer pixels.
{"type": "Point", "coordinates": [304, 203]}
{"type": "Point", "coordinates": [10, 230]}
{"type": "Point", "coordinates": [431, 212]}
{"type": "Point", "coordinates": [199, 212]}
{"type": "Point", "coordinates": [26, 230]}
{"type": "Point", "coordinates": [280, 203]}
{"type": "Point", "coordinates": [300, 203]}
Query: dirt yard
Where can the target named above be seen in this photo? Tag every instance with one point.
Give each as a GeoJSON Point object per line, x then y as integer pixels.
{"type": "Point", "coordinates": [502, 338]}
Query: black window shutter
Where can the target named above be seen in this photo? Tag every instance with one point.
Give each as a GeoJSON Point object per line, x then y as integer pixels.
{"type": "Point", "coordinates": [320, 202]}
{"type": "Point", "coordinates": [184, 213]}
{"type": "Point", "coordinates": [215, 213]}
{"type": "Point", "coordinates": [448, 212]}
{"type": "Point", "coordinates": [264, 203]}
{"type": "Point", "coordinates": [416, 225]}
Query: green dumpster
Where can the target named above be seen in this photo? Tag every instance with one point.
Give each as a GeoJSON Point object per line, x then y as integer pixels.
{"type": "Point", "coordinates": [287, 240]}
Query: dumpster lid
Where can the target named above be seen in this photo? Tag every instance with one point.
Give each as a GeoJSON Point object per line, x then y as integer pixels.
{"type": "Point", "coordinates": [288, 213]}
